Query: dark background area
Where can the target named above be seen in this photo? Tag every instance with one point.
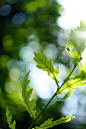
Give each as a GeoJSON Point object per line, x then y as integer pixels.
{"type": "Point", "coordinates": [29, 25]}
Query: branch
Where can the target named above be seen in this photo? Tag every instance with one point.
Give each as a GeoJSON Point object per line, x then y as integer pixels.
{"type": "Point", "coordinates": [53, 95]}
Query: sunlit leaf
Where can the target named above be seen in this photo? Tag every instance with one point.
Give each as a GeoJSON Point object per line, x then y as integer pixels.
{"type": "Point", "coordinates": [70, 84]}
{"type": "Point", "coordinates": [82, 74]}
{"type": "Point", "coordinates": [76, 43]}
{"type": "Point", "coordinates": [83, 68]}
{"type": "Point", "coordinates": [73, 53]}
{"type": "Point", "coordinates": [71, 50]}
{"type": "Point", "coordinates": [9, 119]}
{"type": "Point", "coordinates": [49, 123]}
{"type": "Point", "coordinates": [29, 105]}
{"type": "Point", "coordinates": [47, 66]}
{"type": "Point", "coordinates": [78, 81]}
{"type": "Point", "coordinates": [70, 92]}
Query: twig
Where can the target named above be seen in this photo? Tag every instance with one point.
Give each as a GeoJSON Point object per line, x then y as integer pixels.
{"type": "Point", "coordinates": [54, 95]}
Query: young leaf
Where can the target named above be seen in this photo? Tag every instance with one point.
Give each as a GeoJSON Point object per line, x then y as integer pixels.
{"type": "Point", "coordinates": [29, 105]}
{"type": "Point", "coordinates": [47, 66]}
{"type": "Point", "coordinates": [49, 123]}
{"type": "Point", "coordinates": [70, 48]}
{"type": "Point", "coordinates": [76, 43]}
{"type": "Point", "coordinates": [70, 84]}
{"type": "Point", "coordinates": [83, 70]}
{"type": "Point", "coordinates": [70, 92]}
{"type": "Point", "coordinates": [77, 81]}
{"type": "Point", "coordinates": [9, 119]}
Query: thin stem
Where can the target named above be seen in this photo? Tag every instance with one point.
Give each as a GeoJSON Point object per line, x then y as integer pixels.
{"type": "Point", "coordinates": [68, 76]}
{"type": "Point", "coordinates": [51, 99]}
{"type": "Point", "coordinates": [70, 73]}
{"type": "Point", "coordinates": [43, 109]}
{"type": "Point", "coordinates": [56, 93]}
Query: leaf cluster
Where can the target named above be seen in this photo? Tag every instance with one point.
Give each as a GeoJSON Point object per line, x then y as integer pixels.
{"type": "Point", "coordinates": [75, 48]}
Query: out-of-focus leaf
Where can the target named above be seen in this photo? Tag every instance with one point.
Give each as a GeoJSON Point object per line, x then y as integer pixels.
{"type": "Point", "coordinates": [9, 119]}
{"type": "Point", "coordinates": [29, 105]}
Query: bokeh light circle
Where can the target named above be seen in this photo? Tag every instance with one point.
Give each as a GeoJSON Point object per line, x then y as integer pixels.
{"type": "Point", "coordinates": [5, 10]}
{"type": "Point", "coordinates": [12, 1]}
{"type": "Point", "coordinates": [18, 19]}
{"type": "Point", "coordinates": [29, 17]}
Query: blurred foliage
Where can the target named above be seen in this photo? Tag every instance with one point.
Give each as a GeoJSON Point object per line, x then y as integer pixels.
{"type": "Point", "coordinates": [27, 26]}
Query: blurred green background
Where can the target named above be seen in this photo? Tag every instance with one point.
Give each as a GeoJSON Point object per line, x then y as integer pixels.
{"type": "Point", "coordinates": [27, 26]}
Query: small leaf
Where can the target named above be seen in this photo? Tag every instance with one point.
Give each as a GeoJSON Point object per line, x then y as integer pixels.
{"type": "Point", "coordinates": [77, 81]}
{"type": "Point", "coordinates": [83, 69]}
{"type": "Point", "coordinates": [70, 48]}
{"type": "Point", "coordinates": [29, 105]}
{"type": "Point", "coordinates": [76, 43]}
{"type": "Point", "coordinates": [9, 119]}
{"type": "Point", "coordinates": [70, 92]}
{"type": "Point", "coordinates": [70, 84]}
{"type": "Point", "coordinates": [49, 123]}
{"type": "Point", "coordinates": [47, 66]}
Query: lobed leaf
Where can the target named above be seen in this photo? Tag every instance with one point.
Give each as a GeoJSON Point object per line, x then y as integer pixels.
{"type": "Point", "coordinates": [70, 48]}
{"type": "Point", "coordinates": [78, 81]}
{"type": "Point", "coordinates": [29, 105]}
{"type": "Point", "coordinates": [47, 66]}
{"type": "Point", "coordinates": [70, 84]}
{"type": "Point", "coordinates": [70, 92]}
{"type": "Point", "coordinates": [49, 123]}
{"type": "Point", "coordinates": [76, 43]}
{"type": "Point", "coordinates": [9, 119]}
{"type": "Point", "coordinates": [83, 70]}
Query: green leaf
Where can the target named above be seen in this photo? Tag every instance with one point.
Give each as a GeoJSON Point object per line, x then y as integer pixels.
{"type": "Point", "coordinates": [70, 92]}
{"type": "Point", "coordinates": [70, 84]}
{"type": "Point", "coordinates": [29, 105]}
{"type": "Point", "coordinates": [47, 66]}
{"type": "Point", "coordinates": [83, 70]}
{"type": "Point", "coordinates": [76, 43]}
{"type": "Point", "coordinates": [70, 48]}
{"type": "Point", "coordinates": [9, 119]}
{"type": "Point", "coordinates": [49, 123]}
{"type": "Point", "coordinates": [82, 74]}
{"type": "Point", "coordinates": [77, 81]}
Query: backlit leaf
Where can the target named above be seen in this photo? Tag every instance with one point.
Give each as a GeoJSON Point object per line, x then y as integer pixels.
{"type": "Point", "coordinates": [73, 53]}
{"type": "Point", "coordinates": [47, 66]}
{"type": "Point", "coordinates": [76, 43]}
{"type": "Point", "coordinates": [70, 92]}
{"type": "Point", "coordinates": [70, 84]}
{"type": "Point", "coordinates": [9, 119]}
{"type": "Point", "coordinates": [29, 105]}
{"type": "Point", "coordinates": [49, 123]}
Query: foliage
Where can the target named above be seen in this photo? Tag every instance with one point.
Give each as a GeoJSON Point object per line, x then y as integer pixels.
{"type": "Point", "coordinates": [49, 123]}
{"type": "Point", "coordinates": [23, 24]}
{"type": "Point", "coordinates": [76, 44]}
{"type": "Point", "coordinates": [68, 86]}
{"type": "Point", "coordinates": [39, 27]}
{"type": "Point", "coordinates": [29, 105]}
{"type": "Point", "coordinates": [9, 119]}
{"type": "Point", "coordinates": [47, 66]}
